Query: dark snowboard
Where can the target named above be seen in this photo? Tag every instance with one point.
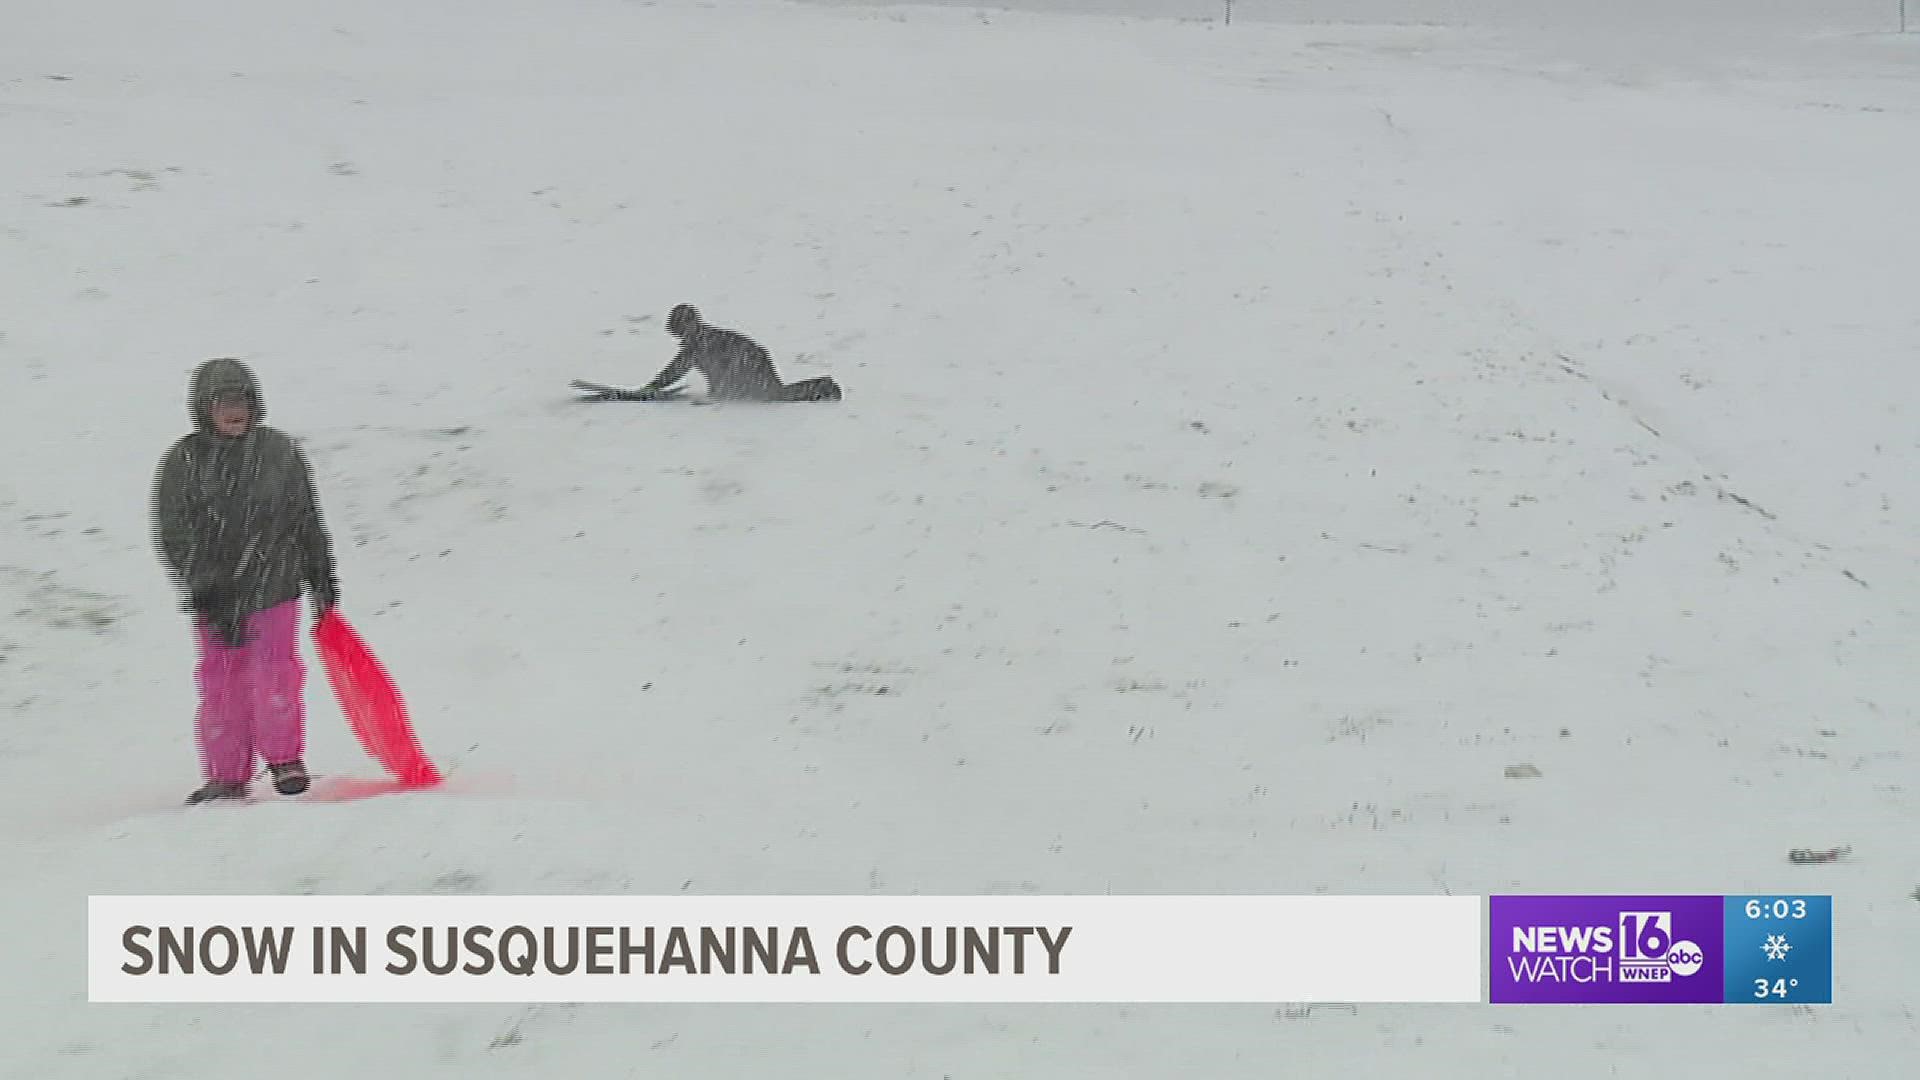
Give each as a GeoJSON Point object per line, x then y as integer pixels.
{"type": "Point", "coordinates": [592, 391]}
{"type": "Point", "coordinates": [820, 389]}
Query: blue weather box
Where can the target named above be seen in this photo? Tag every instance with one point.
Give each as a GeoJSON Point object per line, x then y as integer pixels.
{"type": "Point", "coordinates": [1779, 949]}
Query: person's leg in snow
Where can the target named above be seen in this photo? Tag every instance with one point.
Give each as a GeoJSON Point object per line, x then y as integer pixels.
{"type": "Point", "coordinates": [277, 681]}
{"type": "Point", "coordinates": [223, 726]}
{"type": "Point", "coordinates": [251, 704]}
{"type": "Point", "coordinates": [820, 389]}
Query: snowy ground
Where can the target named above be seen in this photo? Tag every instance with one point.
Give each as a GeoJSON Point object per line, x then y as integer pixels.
{"type": "Point", "coordinates": [1257, 439]}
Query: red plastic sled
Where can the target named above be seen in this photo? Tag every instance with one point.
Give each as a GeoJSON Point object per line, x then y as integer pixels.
{"type": "Point", "coordinates": [374, 708]}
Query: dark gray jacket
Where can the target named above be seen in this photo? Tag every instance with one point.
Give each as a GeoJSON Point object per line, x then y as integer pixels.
{"type": "Point", "coordinates": [239, 515]}
{"type": "Point", "coordinates": [734, 365]}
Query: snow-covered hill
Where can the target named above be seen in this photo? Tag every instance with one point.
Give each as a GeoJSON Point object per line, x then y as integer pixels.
{"type": "Point", "coordinates": [1257, 439]}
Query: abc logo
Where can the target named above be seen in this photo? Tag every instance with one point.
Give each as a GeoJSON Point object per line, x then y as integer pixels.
{"type": "Point", "coordinates": [1685, 958]}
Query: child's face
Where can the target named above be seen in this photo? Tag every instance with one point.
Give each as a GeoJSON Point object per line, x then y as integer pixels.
{"type": "Point", "coordinates": [230, 417]}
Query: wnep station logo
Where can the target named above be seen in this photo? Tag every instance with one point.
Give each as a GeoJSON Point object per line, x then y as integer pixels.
{"type": "Point", "coordinates": [1640, 949]}
{"type": "Point", "coordinates": [1597, 949]}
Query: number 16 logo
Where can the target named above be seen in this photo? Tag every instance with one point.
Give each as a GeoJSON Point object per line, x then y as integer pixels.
{"type": "Point", "coordinates": [1645, 935]}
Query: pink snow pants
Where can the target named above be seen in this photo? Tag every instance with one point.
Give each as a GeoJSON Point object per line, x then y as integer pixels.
{"type": "Point", "coordinates": [250, 697]}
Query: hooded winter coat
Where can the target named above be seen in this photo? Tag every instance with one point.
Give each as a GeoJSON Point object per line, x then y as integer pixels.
{"type": "Point", "coordinates": [237, 519]}
{"type": "Point", "coordinates": [734, 365]}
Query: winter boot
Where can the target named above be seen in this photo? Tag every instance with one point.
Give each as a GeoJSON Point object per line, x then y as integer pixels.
{"type": "Point", "coordinates": [289, 778]}
{"type": "Point", "coordinates": [216, 790]}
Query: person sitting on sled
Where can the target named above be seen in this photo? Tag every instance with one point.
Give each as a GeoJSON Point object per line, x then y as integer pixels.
{"type": "Point", "coordinates": [735, 366]}
{"type": "Point", "coordinates": [238, 527]}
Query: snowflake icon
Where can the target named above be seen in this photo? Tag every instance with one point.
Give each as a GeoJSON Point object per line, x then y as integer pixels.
{"type": "Point", "coordinates": [1776, 947]}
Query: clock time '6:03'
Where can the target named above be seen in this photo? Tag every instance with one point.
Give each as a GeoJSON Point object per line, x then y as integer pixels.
{"type": "Point", "coordinates": [1782, 908]}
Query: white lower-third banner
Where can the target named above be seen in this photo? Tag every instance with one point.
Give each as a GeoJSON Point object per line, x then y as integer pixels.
{"type": "Point", "coordinates": [889, 949]}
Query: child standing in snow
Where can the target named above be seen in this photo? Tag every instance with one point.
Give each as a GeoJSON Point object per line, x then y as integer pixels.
{"type": "Point", "coordinates": [238, 527]}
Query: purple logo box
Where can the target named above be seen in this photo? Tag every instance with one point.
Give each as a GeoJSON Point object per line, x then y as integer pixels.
{"type": "Point", "coordinates": [1607, 950]}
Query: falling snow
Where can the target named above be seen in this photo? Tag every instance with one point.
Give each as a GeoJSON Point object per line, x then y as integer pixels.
{"type": "Point", "coordinates": [1469, 455]}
